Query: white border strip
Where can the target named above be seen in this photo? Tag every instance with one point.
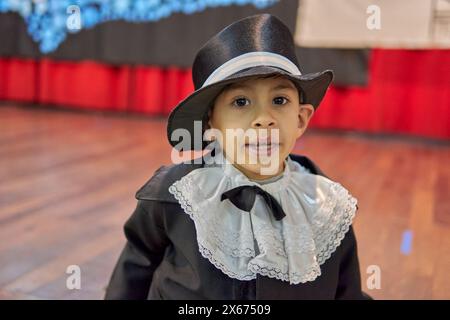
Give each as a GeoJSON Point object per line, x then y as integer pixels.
{"type": "Point", "coordinates": [248, 60]}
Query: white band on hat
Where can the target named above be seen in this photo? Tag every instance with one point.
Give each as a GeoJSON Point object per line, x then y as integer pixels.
{"type": "Point", "coordinates": [248, 60]}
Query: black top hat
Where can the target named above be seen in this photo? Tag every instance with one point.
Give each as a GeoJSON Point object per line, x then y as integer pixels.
{"type": "Point", "coordinates": [257, 45]}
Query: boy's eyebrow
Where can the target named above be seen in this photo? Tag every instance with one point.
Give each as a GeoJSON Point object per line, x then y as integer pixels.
{"type": "Point", "coordinates": [243, 86]}
{"type": "Point", "coordinates": [283, 86]}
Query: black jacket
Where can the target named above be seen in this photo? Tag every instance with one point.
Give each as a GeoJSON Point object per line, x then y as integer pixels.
{"type": "Point", "coordinates": [161, 259]}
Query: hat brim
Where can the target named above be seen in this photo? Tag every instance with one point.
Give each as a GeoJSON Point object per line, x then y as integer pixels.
{"type": "Point", "coordinates": [194, 108]}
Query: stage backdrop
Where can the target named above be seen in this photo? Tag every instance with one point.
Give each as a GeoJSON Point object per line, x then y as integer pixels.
{"type": "Point", "coordinates": [114, 63]}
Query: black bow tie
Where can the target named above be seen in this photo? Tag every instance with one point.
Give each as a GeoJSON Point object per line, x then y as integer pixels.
{"type": "Point", "coordinates": [243, 197]}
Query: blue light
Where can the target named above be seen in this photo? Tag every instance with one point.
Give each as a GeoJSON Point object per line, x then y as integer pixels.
{"type": "Point", "coordinates": [406, 242]}
{"type": "Point", "coordinates": [46, 19]}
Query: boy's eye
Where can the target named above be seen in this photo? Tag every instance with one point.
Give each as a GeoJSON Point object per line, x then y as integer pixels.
{"type": "Point", "coordinates": [240, 102]}
{"type": "Point", "coordinates": [279, 100]}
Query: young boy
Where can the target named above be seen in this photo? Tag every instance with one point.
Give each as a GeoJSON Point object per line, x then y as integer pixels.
{"type": "Point", "coordinates": [257, 222]}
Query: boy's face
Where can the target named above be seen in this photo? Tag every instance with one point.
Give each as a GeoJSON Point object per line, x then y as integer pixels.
{"type": "Point", "coordinates": [262, 108]}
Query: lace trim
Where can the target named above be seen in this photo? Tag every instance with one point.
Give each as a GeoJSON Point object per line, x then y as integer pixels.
{"type": "Point", "coordinates": [246, 249]}
{"type": "Point", "coordinates": [294, 278]}
{"type": "Point", "coordinates": [328, 230]}
{"type": "Point", "coordinates": [206, 253]}
{"type": "Point", "coordinates": [339, 224]}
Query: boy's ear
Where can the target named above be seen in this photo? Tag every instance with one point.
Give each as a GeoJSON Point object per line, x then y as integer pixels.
{"type": "Point", "coordinates": [305, 114]}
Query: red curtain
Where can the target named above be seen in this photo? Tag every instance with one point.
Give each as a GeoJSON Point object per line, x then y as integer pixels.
{"type": "Point", "coordinates": [91, 85]}
{"type": "Point", "coordinates": [408, 91]}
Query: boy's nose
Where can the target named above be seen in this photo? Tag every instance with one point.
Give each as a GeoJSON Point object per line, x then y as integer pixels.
{"type": "Point", "coordinates": [263, 119]}
{"type": "Point", "coordinates": [263, 124]}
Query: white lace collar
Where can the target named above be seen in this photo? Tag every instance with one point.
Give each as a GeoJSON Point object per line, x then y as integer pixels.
{"type": "Point", "coordinates": [318, 211]}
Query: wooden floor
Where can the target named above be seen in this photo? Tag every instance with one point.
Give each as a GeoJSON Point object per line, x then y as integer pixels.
{"type": "Point", "coordinates": [68, 179]}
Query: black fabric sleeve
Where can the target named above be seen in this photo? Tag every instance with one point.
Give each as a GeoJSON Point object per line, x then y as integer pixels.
{"type": "Point", "coordinates": [349, 286]}
{"type": "Point", "coordinates": [143, 252]}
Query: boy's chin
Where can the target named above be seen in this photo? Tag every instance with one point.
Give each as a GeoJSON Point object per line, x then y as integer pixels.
{"type": "Point", "coordinates": [261, 170]}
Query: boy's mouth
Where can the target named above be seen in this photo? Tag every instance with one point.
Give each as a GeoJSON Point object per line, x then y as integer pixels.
{"type": "Point", "coordinates": [262, 148]}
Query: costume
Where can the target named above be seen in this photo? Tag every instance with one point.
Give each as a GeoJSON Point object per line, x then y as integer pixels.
{"type": "Point", "coordinates": [163, 258]}
{"type": "Point", "coordinates": [205, 231]}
